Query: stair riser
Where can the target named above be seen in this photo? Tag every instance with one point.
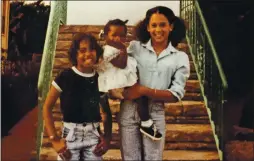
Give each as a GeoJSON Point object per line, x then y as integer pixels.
{"type": "Point", "coordinates": [172, 135]}
{"type": "Point", "coordinates": [180, 137]}
{"type": "Point", "coordinates": [169, 119]}
{"type": "Point", "coordinates": [49, 154]}
{"type": "Point", "coordinates": [174, 110]}
{"type": "Point", "coordinates": [199, 117]}
{"type": "Point", "coordinates": [176, 146]}
{"type": "Point", "coordinates": [168, 145]}
{"type": "Point", "coordinates": [171, 109]}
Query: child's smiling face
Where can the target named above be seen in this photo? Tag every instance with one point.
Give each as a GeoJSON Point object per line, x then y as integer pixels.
{"type": "Point", "coordinates": [116, 34]}
{"type": "Point", "coordinates": [86, 57]}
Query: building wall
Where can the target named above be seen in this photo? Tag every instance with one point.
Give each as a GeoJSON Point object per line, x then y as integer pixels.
{"type": "Point", "coordinates": [4, 23]}
{"type": "Point", "coordinates": [99, 12]}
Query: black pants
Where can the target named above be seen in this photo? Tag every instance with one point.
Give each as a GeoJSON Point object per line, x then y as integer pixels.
{"type": "Point", "coordinates": [143, 108]}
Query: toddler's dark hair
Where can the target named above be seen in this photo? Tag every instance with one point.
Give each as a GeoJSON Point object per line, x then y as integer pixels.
{"type": "Point", "coordinates": [115, 22]}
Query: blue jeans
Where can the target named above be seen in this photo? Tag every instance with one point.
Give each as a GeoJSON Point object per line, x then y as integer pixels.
{"type": "Point", "coordinates": [81, 140]}
{"type": "Point", "coordinates": [133, 145]}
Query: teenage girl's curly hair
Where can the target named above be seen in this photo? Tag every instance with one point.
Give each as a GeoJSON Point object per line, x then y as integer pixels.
{"type": "Point", "coordinates": [179, 31]}
{"type": "Point", "coordinates": [76, 44]}
{"type": "Point", "coordinates": [143, 35]}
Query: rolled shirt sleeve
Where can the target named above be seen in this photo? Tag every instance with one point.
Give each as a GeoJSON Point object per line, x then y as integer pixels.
{"type": "Point", "coordinates": [180, 76]}
{"type": "Point", "coordinates": [58, 83]}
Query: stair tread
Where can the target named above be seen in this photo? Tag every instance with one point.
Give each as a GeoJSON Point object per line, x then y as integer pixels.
{"type": "Point", "coordinates": [168, 155]}
{"type": "Point", "coordinates": [174, 132]}
{"type": "Point", "coordinates": [188, 128]}
{"type": "Point", "coordinates": [115, 144]}
{"type": "Point", "coordinates": [180, 133]}
{"type": "Point", "coordinates": [173, 155]}
{"type": "Point", "coordinates": [177, 145]}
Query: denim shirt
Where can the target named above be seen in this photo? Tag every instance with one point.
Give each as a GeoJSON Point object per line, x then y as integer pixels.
{"type": "Point", "coordinates": [168, 71]}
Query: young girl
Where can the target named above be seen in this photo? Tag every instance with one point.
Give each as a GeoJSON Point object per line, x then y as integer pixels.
{"type": "Point", "coordinates": [79, 95]}
{"type": "Point", "coordinates": [117, 76]}
{"type": "Point", "coordinates": [163, 72]}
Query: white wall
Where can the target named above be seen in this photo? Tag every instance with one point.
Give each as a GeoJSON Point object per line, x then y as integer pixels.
{"type": "Point", "coordinates": [99, 12]}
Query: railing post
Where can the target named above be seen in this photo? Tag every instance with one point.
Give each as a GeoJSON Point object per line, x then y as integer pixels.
{"type": "Point", "coordinates": [210, 74]}
{"type": "Point", "coordinates": [63, 15]}
{"type": "Point", "coordinates": [56, 12]}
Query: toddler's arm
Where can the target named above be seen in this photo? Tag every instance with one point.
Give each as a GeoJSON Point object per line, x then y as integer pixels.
{"type": "Point", "coordinates": [119, 61]}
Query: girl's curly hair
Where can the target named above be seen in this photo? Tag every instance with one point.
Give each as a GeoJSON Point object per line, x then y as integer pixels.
{"type": "Point", "coordinates": [76, 44]}
{"type": "Point", "coordinates": [140, 30]}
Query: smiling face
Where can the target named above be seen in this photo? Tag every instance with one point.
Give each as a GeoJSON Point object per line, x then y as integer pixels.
{"type": "Point", "coordinates": [86, 57]}
{"type": "Point", "coordinates": [159, 28]}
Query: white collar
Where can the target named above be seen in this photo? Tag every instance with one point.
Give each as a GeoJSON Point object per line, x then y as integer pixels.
{"type": "Point", "coordinates": [82, 74]}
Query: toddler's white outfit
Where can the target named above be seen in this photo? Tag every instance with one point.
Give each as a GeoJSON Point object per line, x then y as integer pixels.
{"type": "Point", "coordinates": [112, 77]}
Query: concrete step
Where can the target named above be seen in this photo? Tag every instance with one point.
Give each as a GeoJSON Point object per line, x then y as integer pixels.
{"type": "Point", "coordinates": [172, 155]}
{"type": "Point", "coordinates": [169, 119]}
{"type": "Point", "coordinates": [48, 154]}
{"type": "Point", "coordinates": [168, 145]}
{"type": "Point", "coordinates": [193, 76]}
{"type": "Point", "coordinates": [179, 119]}
{"type": "Point", "coordinates": [174, 133]}
{"type": "Point", "coordinates": [177, 145]}
{"type": "Point", "coordinates": [181, 110]}
{"type": "Point", "coordinates": [187, 120]}
{"type": "Point", "coordinates": [179, 133]}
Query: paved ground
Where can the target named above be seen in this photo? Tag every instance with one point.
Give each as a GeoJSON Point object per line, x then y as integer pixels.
{"type": "Point", "coordinates": [21, 141]}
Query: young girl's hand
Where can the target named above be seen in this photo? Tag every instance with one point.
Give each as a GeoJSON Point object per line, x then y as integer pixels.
{"type": "Point", "coordinates": [102, 147]}
{"type": "Point", "coordinates": [60, 147]}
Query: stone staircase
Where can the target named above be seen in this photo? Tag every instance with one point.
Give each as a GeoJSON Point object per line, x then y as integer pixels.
{"type": "Point", "coordinates": [189, 135]}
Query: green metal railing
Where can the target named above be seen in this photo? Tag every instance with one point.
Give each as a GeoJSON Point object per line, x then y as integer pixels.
{"type": "Point", "coordinates": [208, 67]}
{"type": "Point", "coordinates": [58, 13]}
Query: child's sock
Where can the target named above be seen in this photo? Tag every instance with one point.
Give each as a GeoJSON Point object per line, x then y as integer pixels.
{"type": "Point", "coordinates": [147, 123]}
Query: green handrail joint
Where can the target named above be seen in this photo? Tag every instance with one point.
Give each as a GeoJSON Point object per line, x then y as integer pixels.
{"type": "Point", "coordinates": [58, 13]}
{"type": "Point", "coordinates": [215, 55]}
